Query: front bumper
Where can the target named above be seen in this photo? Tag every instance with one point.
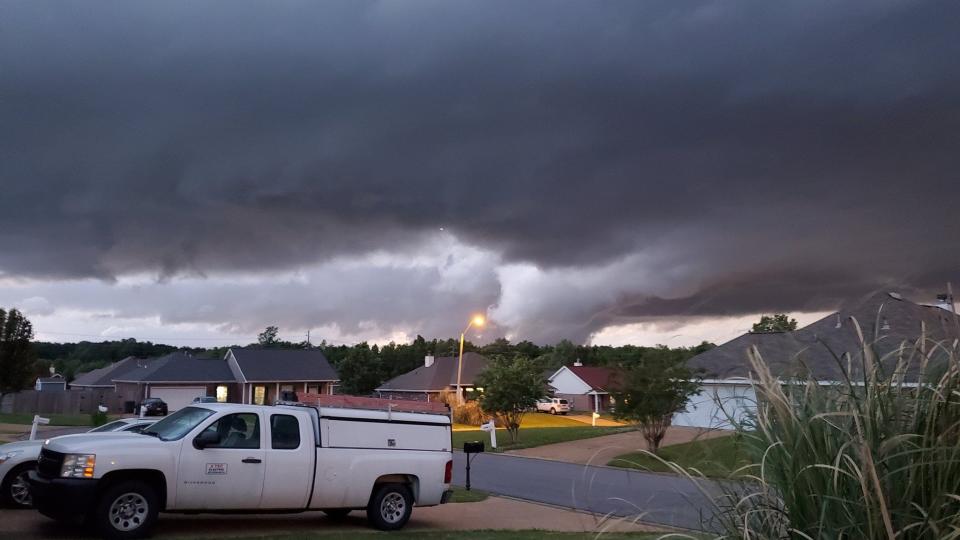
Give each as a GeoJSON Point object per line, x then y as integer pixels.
{"type": "Point", "coordinates": [62, 498]}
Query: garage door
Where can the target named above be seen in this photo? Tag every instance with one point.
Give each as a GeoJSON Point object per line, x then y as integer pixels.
{"type": "Point", "coordinates": [179, 397]}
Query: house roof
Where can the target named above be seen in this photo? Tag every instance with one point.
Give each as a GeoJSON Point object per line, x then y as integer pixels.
{"type": "Point", "coordinates": [886, 320]}
{"type": "Point", "coordinates": [129, 367]}
{"type": "Point", "coordinates": [440, 376]}
{"type": "Point", "coordinates": [600, 379]}
{"type": "Point", "coordinates": [178, 367]}
{"type": "Point", "coordinates": [52, 380]}
{"type": "Point", "coordinates": [278, 365]}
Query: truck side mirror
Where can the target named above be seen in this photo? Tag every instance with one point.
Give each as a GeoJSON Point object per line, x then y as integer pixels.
{"type": "Point", "coordinates": [205, 439]}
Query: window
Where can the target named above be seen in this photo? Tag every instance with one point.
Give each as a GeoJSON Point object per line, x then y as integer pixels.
{"type": "Point", "coordinates": [286, 388]}
{"type": "Point", "coordinates": [259, 395]}
{"type": "Point", "coordinates": [284, 432]}
{"type": "Point", "coordinates": [179, 423]}
{"type": "Point", "coordinates": [313, 389]}
{"type": "Point", "coordinates": [222, 394]}
{"type": "Point", "coordinates": [241, 430]}
{"type": "Point", "coordinates": [112, 426]}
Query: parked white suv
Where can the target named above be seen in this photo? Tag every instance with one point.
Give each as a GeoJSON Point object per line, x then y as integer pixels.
{"type": "Point", "coordinates": [19, 458]}
{"type": "Point", "coordinates": [553, 405]}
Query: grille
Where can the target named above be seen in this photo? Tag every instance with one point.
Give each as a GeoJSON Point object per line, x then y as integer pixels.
{"type": "Point", "coordinates": [49, 463]}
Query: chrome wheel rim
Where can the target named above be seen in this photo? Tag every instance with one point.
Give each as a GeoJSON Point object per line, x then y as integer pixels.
{"type": "Point", "coordinates": [393, 507]}
{"type": "Point", "coordinates": [20, 490]}
{"type": "Point", "coordinates": [128, 512]}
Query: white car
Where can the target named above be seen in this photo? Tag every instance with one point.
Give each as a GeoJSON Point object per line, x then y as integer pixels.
{"type": "Point", "coordinates": [553, 405]}
{"type": "Point", "coordinates": [223, 457]}
{"type": "Point", "coordinates": [19, 458]}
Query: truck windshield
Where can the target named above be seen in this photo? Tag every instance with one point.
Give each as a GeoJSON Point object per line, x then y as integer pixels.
{"type": "Point", "coordinates": [178, 424]}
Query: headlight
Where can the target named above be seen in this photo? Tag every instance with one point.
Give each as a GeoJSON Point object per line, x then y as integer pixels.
{"type": "Point", "coordinates": [78, 465]}
{"type": "Point", "coordinates": [8, 455]}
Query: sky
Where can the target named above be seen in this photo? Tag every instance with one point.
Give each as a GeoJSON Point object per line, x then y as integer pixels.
{"type": "Point", "coordinates": [606, 172]}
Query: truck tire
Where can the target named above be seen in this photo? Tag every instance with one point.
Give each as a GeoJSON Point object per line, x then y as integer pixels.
{"type": "Point", "coordinates": [126, 509]}
{"type": "Point", "coordinates": [390, 507]}
{"type": "Point", "coordinates": [13, 490]}
{"type": "Point", "coordinates": [336, 514]}
{"type": "Point", "coordinates": [553, 411]}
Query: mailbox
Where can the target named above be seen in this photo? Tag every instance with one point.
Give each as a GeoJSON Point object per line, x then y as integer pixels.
{"type": "Point", "coordinates": [473, 447]}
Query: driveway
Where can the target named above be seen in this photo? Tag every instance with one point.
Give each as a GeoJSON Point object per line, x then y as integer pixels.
{"type": "Point", "coordinates": [600, 450]}
{"type": "Point", "coordinates": [507, 514]}
{"type": "Point", "coordinates": [651, 497]}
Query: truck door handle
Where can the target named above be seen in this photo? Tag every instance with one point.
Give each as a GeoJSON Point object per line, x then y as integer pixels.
{"type": "Point", "coordinates": [251, 460]}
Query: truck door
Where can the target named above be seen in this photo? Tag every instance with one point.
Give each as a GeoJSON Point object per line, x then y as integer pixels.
{"type": "Point", "coordinates": [289, 462]}
{"type": "Point", "coordinates": [227, 474]}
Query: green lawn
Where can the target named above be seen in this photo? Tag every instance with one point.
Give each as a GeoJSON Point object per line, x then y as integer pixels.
{"type": "Point", "coordinates": [530, 437]}
{"type": "Point", "coordinates": [461, 495]}
{"type": "Point", "coordinates": [531, 534]}
{"type": "Point", "coordinates": [534, 420]}
{"type": "Point", "coordinates": [716, 457]}
{"type": "Point", "coordinates": [55, 419]}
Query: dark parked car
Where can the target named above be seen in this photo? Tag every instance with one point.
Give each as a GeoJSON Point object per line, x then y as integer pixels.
{"type": "Point", "coordinates": [153, 407]}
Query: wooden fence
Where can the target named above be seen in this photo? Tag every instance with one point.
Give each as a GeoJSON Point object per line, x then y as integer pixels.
{"type": "Point", "coordinates": [68, 402]}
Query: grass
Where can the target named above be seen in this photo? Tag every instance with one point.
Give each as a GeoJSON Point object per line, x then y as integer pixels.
{"type": "Point", "coordinates": [55, 419]}
{"type": "Point", "coordinates": [876, 455]}
{"type": "Point", "coordinates": [531, 437]}
{"type": "Point", "coordinates": [717, 457]}
{"type": "Point", "coordinates": [530, 534]}
{"type": "Point", "coordinates": [461, 495]}
{"type": "Point", "coordinates": [534, 420]}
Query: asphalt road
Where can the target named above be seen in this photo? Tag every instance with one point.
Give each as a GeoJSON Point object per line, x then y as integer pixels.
{"type": "Point", "coordinates": [651, 497]}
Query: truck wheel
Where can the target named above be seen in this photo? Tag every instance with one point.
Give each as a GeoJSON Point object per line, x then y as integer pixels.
{"type": "Point", "coordinates": [336, 514]}
{"type": "Point", "coordinates": [14, 491]}
{"type": "Point", "coordinates": [126, 510]}
{"type": "Point", "coordinates": [390, 507]}
{"type": "Point", "coordinates": [553, 411]}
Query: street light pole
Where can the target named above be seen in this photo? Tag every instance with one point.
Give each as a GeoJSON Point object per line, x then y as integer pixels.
{"type": "Point", "coordinates": [476, 320]}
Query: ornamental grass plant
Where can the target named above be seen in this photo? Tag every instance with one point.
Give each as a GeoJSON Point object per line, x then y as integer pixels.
{"type": "Point", "coordinates": [871, 456]}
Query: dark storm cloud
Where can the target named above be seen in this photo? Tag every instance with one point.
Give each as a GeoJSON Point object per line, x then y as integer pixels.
{"type": "Point", "coordinates": [774, 155]}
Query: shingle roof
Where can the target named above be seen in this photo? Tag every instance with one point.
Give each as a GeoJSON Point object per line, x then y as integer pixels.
{"type": "Point", "coordinates": [278, 365]}
{"type": "Point", "coordinates": [52, 380]}
{"type": "Point", "coordinates": [601, 379]}
{"type": "Point", "coordinates": [179, 367]}
{"type": "Point", "coordinates": [129, 367]}
{"type": "Point", "coordinates": [440, 376]}
{"type": "Point", "coordinates": [885, 320]}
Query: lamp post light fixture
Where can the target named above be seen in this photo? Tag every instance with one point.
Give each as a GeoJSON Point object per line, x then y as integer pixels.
{"type": "Point", "coordinates": [478, 321]}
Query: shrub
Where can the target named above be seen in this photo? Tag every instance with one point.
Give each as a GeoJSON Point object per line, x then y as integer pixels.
{"type": "Point", "coordinates": [876, 455]}
{"type": "Point", "coordinates": [98, 418]}
{"type": "Point", "coordinates": [469, 413]}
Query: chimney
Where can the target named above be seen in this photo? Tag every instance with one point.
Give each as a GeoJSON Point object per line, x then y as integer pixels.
{"type": "Point", "coordinates": [578, 363]}
{"type": "Point", "coordinates": [428, 360]}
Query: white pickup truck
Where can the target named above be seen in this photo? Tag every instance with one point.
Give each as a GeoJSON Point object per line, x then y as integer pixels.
{"type": "Point", "coordinates": [225, 458]}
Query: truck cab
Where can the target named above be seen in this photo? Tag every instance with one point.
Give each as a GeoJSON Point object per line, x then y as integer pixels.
{"type": "Point", "coordinates": [212, 457]}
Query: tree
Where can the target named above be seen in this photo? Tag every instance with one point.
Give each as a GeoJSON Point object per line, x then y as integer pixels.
{"type": "Point", "coordinates": [268, 338]}
{"type": "Point", "coordinates": [778, 322]}
{"type": "Point", "coordinates": [510, 389]}
{"type": "Point", "coordinates": [16, 351]}
{"type": "Point", "coordinates": [360, 371]}
{"type": "Point", "coordinates": [649, 394]}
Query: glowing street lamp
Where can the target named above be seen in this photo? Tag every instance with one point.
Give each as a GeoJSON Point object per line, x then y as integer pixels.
{"type": "Point", "coordinates": [478, 321]}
